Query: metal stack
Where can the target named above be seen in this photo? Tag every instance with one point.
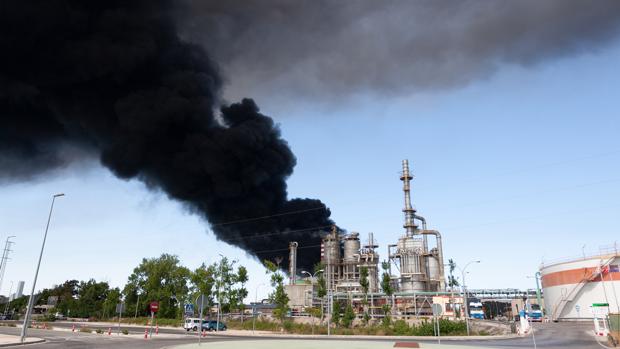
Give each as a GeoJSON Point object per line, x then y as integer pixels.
{"type": "Point", "coordinates": [343, 274]}
{"type": "Point", "coordinates": [420, 269]}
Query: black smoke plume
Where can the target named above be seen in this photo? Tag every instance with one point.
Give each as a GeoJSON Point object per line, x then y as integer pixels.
{"type": "Point", "coordinates": [113, 80]}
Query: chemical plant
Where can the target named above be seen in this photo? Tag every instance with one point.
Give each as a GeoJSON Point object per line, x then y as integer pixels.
{"type": "Point", "coordinates": [415, 264]}
{"type": "Point", "coordinates": [415, 261]}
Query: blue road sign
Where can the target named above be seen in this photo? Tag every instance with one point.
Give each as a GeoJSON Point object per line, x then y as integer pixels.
{"type": "Point", "coordinates": [189, 309]}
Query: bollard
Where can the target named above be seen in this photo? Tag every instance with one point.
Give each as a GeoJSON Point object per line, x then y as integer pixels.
{"type": "Point", "coordinates": [109, 331]}
{"type": "Point", "coordinates": [73, 328]}
{"type": "Point", "coordinates": [156, 329]}
{"type": "Point", "coordinates": [146, 333]}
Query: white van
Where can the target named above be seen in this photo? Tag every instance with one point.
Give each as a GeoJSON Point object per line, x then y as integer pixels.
{"type": "Point", "coordinates": [191, 323]}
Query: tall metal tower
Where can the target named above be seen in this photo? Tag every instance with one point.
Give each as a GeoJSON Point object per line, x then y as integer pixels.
{"type": "Point", "coordinates": [5, 258]}
{"type": "Point", "coordinates": [409, 226]}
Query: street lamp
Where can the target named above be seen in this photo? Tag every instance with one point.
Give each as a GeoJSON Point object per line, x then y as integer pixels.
{"type": "Point", "coordinates": [255, 303]}
{"type": "Point", "coordinates": [36, 274]}
{"type": "Point", "coordinates": [465, 307]}
{"type": "Point", "coordinates": [312, 276]}
{"type": "Point", "coordinates": [219, 296]}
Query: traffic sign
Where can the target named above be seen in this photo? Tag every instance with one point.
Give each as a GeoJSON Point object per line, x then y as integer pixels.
{"type": "Point", "coordinates": [154, 307]}
{"type": "Point", "coordinates": [120, 307]}
{"type": "Point", "coordinates": [189, 309]}
{"type": "Point", "coordinates": [437, 310]}
{"type": "Point", "coordinates": [201, 302]}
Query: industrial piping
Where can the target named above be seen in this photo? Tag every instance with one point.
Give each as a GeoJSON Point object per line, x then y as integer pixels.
{"type": "Point", "coordinates": [439, 255]}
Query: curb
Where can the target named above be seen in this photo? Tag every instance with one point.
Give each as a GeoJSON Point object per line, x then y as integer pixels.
{"type": "Point", "coordinates": [37, 341]}
{"type": "Point", "coordinates": [387, 338]}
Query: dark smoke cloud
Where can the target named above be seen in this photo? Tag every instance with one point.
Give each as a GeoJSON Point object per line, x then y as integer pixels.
{"type": "Point", "coordinates": [111, 79]}
{"type": "Point", "coordinates": [324, 49]}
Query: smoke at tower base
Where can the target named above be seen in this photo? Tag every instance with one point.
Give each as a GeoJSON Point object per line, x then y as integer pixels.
{"type": "Point", "coordinates": [112, 79]}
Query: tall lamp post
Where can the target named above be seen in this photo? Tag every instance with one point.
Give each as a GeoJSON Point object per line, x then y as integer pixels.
{"type": "Point", "coordinates": [255, 303]}
{"type": "Point", "coordinates": [219, 296]}
{"type": "Point", "coordinates": [465, 307]}
{"type": "Point", "coordinates": [36, 274]}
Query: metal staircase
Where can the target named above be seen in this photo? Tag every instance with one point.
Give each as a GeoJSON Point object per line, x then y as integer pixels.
{"type": "Point", "coordinates": [557, 310]}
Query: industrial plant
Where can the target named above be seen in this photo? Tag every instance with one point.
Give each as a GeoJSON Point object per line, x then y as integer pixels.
{"type": "Point", "coordinates": [415, 260]}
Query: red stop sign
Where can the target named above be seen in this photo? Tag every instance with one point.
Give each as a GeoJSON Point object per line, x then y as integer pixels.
{"type": "Point", "coordinates": [154, 306]}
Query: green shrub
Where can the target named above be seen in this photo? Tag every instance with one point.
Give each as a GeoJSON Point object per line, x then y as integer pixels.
{"type": "Point", "coordinates": [99, 331]}
{"type": "Point", "coordinates": [125, 332]}
{"type": "Point", "coordinates": [401, 328]}
{"type": "Point", "coordinates": [86, 329]}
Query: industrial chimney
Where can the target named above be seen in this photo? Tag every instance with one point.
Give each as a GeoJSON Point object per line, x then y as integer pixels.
{"type": "Point", "coordinates": [409, 226]}
{"type": "Point", "coordinates": [292, 261]}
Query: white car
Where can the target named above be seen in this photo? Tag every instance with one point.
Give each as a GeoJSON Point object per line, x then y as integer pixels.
{"type": "Point", "coordinates": [191, 323]}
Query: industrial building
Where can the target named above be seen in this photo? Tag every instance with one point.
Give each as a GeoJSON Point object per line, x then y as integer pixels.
{"type": "Point", "coordinates": [581, 288]}
{"type": "Point", "coordinates": [415, 261]}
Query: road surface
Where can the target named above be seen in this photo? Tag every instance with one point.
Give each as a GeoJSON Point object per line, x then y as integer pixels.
{"type": "Point", "coordinates": [549, 335]}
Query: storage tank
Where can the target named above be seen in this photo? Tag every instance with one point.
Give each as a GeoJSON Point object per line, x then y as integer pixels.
{"type": "Point", "coordinates": [351, 247]}
{"type": "Point", "coordinates": [573, 286]}
{"type": "Point", "coordinates": [410, 250]}
{"type": "Point", "coordinates": [433, 267]}
{"type": "Point", "coordinates": [331, 247]}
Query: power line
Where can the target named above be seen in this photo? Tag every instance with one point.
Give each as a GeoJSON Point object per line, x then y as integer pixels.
{"type": "Point", "coordinates": [286, 249]}
{"type": "Point", "coordinates": [278, 233]}
{"type": "Point", "coordinates": [269, 216]}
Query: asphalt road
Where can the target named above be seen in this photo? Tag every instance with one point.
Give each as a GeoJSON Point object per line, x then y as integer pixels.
{"type": "Point", "coordinates": [550, 336]}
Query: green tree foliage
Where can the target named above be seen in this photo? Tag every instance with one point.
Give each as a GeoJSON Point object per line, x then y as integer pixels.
{"type": "Point", "coordinates": [278, 296]}
{"type": "Point", "coordinates": [349, 316]}
{"type": "Point", "coordinates": [160, 279]}
{"type": "Point", "coordinates": [387, 319]}
{"type": "Point", "coordinates": [241, 292]}
{"type": "Point", "coordinates": [203, 281]}
{"type": "Point", "coordinates": [386, 286]}
{"type": "Point", "coordinates": [336, 313]}
{"type": "Point", "coordinates": [452, 281]}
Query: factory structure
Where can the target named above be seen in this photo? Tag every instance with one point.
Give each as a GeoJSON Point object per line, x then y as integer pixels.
{"type": "Point", "coordinates": [582, 288]}
{"type": "Point", "coordinates": [415, 261]}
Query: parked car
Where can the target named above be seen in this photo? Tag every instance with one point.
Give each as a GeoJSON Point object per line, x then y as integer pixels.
{"type": "Point", "coordinates": [211, 325]}
{"type": "Point", "coordinates": [191, 324]}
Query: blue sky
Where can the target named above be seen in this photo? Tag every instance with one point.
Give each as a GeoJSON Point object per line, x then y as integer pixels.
{"type": "Point", "coordinates": [512, 170]}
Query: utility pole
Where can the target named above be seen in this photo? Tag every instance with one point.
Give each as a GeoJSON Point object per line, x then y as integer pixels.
{"type": "Point", "coordinates": [5, 258]}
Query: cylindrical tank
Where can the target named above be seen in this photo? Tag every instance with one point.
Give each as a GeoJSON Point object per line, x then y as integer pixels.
{"type": "Point", "coordinates": [332, 250]}
{"type": "Point", "coordinates": [433, 267]}
{"type": "Point", "coordinates": [410, 251]}
{"type": "Point", "coordinates": [351, 247]}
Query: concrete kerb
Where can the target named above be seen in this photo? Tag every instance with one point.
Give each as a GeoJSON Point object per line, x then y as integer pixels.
{"type": "Point", "coordinates": [274, 335]}
{"type": "Point", "coordinates": [320, 344]}
{"type": "Point", "coordinates": [17, 342]}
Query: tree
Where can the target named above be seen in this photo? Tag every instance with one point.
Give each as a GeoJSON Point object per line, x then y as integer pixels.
{"type": "Point", "coordinates": [202, 282]}
{"type": "Point", "coordinates": [160, 279]}
{"type": "Point", "coordinates": [386, 286]}
{"type": "Point", "coordinates": [349, 316]}
{"type": "Point", "coordinates": [278, 296]}
{"type": "Point", "coordinates": [452, 281]}
{"type": "Point", "coordinates": [336, 309]}
{"type": "Point", "coordinates": [109, 305]}
{"type": "Point", "coordinates": [242, 292]}
{"type": "Point", "coordinates": [365, 283]}
{"type": "Point", "coordinates": [321, 291]}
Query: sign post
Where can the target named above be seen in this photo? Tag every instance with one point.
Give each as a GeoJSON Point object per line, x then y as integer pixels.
{"type": "Point", "coordinates": [120, 307]}
{"type": "Point", "coordinates": [437, 310]}
{"type": "Point", "coordinates": [201, 305]}
{"type": "Point", "coordinates": [154, 307]}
